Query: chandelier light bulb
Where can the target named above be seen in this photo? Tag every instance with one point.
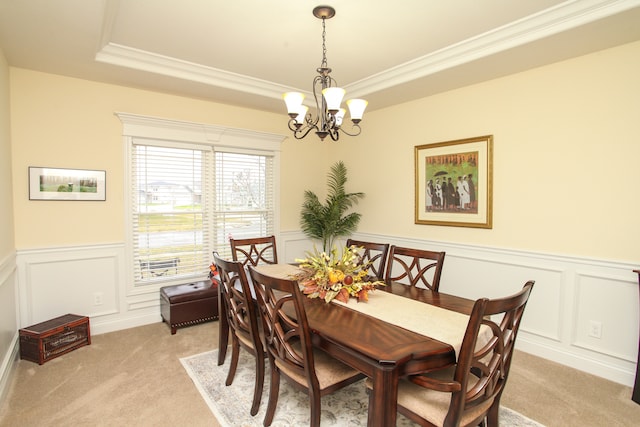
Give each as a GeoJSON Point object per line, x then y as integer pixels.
{"type": "Point", "coordinates": [301, 114]}
{"type": "Point", "coordinates": [356, 109]}
{"type": "Point", "coordinates": [333, 96]}
{"type": "Point", "coordinates": [294, 102]}
{"type": "Point", "coordinates": [340, 116]}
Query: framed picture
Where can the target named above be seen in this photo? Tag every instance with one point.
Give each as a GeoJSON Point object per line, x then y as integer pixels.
{"type": "Point", "coordinates": [453, 183]}
{"type": "Point", "coordinates": [66, 184]}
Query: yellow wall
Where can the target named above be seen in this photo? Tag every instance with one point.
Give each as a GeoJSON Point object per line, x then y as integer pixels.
{"type": "Point", "coordinates": [565, 155]}
{"type": "Point", "coordinates": [8, 281]}
{"type": "Point", "coordinates": [566, 152]}
{"type": "Point", "coordinates": [6, 200]}
{"type": "Point", "coordinates": [70, 123]}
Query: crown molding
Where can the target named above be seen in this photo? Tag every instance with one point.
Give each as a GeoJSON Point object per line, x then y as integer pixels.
{"type": "Point", "coordinates": [549, 22]}
{"type": "Point", "coordinates": [565, 16]}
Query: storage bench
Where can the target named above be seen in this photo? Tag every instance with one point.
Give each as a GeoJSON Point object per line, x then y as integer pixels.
{"type": "Point", "coordinates": [47, 340]}
{"type": "Point", "coordinates": [190, 304]}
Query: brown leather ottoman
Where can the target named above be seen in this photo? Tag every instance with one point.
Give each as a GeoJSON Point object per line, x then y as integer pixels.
{"type": "Point", "coordinates": [190, 304]}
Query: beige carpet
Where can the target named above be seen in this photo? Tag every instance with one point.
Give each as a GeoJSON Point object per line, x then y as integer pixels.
{"type": "Point", "coordinates": [134, 377]}
{"type": "Point", "coordinates": [231, 405]}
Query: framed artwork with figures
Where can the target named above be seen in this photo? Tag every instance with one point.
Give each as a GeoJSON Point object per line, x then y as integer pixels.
{"type": "Point", "coordinates": [453, 183]}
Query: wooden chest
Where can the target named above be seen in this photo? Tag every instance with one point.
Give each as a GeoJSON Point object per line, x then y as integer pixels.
{"type": "Point", "coordinates": [190, 304]}
{"type": "Point", "coordinates": [47, 340]}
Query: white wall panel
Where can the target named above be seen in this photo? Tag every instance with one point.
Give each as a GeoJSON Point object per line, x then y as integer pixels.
{"type": "Point", "coordinates": [8, 321]}
{"type": "Point", "coordinates": [568, 294]}
{"type": "Point", "coordinates": [84, 280]}
{"type": "Point", "coordinates": [610, 301]}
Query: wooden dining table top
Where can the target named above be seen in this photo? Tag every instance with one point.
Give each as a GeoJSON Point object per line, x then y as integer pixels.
{"type": "Point", "coordinates": [380, 341]}
{"type": "Point", "coordinates": [383, 351]}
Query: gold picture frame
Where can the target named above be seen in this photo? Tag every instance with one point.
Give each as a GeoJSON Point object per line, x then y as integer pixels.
{"type": "Point", "coordinates": [454, 183]}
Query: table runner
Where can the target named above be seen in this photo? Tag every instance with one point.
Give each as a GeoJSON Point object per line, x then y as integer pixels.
{"type": "Point", "coordinates": [425, 319]}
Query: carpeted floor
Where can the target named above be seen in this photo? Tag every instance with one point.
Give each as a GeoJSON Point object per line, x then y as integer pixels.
{"type": "Point", "coordinates": [346, 407]}
{"type": "Point", "coordinates": [134, 377]}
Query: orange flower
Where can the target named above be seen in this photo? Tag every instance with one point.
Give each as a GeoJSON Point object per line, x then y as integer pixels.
{"type": "Point", "coordinates": [343, 295]}
{"type": "Point", "coordinates": [363, 296]}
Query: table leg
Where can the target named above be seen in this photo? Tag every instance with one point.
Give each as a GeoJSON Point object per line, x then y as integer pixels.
{"type": "Point", "coordinates": [223, 331]}
{"type": "Point", "coordinates": [383, 399]}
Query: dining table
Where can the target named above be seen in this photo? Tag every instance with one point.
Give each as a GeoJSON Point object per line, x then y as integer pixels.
{"type": "Point", "coordinates": [399, 331]}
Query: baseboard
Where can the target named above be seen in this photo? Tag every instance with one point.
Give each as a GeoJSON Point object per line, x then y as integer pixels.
{"type": "Point", "coordinates": [582, 363]}
{"type": "Point", "coordinates": [103, 326]}
{"type": "Point", "coordinates": [8, 368]}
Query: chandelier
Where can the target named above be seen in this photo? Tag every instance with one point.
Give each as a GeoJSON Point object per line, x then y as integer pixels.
{"type": "Point", "coordinates": [328, 97]}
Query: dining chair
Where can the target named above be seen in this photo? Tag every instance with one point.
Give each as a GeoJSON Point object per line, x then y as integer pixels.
{"type": "Point", "coordinates": [413, 267]}
{"type": "Point", "coordinates": [468, 393]}
{"type": "Point", "coordinates": [255, 250]}
{"type": "Point", "coordinates": [242, 318]}
{"type": "Point", "coordinates": [288, 343]}
{"type": "Point", "coordinates": [374, 253]}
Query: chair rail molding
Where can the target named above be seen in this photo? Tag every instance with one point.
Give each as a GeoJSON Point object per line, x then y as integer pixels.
{"type": "Point", "coordinates": [571, 294]}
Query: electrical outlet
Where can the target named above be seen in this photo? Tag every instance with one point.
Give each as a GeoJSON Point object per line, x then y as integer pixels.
{"type": "Point", "coordinates": [97, 298]}
{"type": "Point", "coordinates": [595, 329]}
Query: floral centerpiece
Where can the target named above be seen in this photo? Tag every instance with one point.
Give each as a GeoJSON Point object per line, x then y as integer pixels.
{"type": "Point", "coordinates": [329, 276]}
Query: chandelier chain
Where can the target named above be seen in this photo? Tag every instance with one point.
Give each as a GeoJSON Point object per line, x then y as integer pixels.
{"type": "Point", "coordinates": [324, 46]}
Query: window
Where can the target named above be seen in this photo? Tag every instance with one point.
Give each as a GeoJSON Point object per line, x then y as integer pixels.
{"type": "Point", "coordinates": [244, 198]}
{"type": "Point", "coordinates": [171, 210]}
{"type": "Point", "coordinates": [191, 187]}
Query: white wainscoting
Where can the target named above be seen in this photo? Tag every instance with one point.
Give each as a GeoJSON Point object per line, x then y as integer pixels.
{"type": "Point", "coordinates": [85, 280]}
{"type": "Point", "coordinates": [569, 294]}
{"type": "Point", "coordinates": [9, 348]}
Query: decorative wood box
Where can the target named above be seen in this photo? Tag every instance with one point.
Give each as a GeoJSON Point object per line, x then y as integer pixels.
{"type": "Point", "coordinates": [47, 340]}
{"type": "Point", "coordinates": [190, 304]}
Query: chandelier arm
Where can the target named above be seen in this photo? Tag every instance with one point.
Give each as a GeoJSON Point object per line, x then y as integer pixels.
{"type": "Point", "coordinates": [352, 127]}
{"type": "Point", "coordinates": [302, 132]}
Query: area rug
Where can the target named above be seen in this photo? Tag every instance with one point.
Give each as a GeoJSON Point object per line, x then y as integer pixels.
{"type": "Point", "coordinates": [231, 405]}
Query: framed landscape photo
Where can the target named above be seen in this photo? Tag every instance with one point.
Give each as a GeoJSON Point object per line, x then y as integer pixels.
{"type": "Point", "coordinates": [454, 183]}
{"type": "Point", "coordinates": [66, 184]}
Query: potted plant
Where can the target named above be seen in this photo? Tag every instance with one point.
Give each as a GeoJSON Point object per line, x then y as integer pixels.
{"type": "Point", "coordinates": [326, 222]}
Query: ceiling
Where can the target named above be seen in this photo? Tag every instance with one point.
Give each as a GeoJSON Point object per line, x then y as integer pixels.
{"type": "Point", "coordinates": [248, 52]}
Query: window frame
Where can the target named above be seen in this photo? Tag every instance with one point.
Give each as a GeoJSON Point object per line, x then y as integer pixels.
{"type": "Point", "coordinates": [219, 138]}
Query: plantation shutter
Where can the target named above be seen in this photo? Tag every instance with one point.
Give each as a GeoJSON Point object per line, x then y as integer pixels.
{"type": "Point", "coordinates": [244, 197]}
{"type": "Point", "coordinates": [171, 199]}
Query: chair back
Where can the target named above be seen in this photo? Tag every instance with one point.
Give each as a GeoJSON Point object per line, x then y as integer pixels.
{"type": "Point", "coordinates": [415, 267]}
{"type": "Point", "coordinates": [254, 251]}
{"type": "Point", "coordinates": [286, 329]}
{"type": "Point", "coordinates": [482, 372]}
{"type": "Point", "coordinates": [373, 253]}
{"type": "Point", "coordinates": [235, 293]}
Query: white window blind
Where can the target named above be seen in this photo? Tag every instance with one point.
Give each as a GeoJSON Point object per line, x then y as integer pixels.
{"type": "Point", "coordinates": [244, 201]}
{"type": "Point", "coordinates": [171, 199]}
{"type": "Point", "coordinates": [185, 200]}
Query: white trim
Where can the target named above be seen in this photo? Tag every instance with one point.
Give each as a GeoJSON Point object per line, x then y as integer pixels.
{"type": "Point", "coordinates": [136, 125]}
{"type": "Point", "coordinates": [554, 20]}
{"type": "Point", "coordinates": [552, 325]}
{"type": "Point", "coordinates": [220, 138]}
{"type": "Point", "coordinates": [563, 17]}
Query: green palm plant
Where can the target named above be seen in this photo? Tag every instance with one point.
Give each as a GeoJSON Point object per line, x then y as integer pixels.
{"type": "Point", "coordinates": [327, 221]}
